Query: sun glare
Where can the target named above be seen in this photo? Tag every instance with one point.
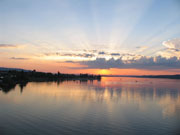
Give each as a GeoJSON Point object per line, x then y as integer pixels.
{"type": "Point", "coordinates": [103, 71]}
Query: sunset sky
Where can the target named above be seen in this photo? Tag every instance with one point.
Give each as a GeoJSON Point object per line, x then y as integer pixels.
{"type": "Point", "coordinates": [124, 37]}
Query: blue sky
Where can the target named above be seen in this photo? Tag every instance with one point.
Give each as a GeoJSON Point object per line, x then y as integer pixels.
{"type": "Point", "coordinates": [138, 27]}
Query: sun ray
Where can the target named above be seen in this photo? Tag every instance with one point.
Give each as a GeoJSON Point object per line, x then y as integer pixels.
{"type": "Point", "coordinates": [123, 25]}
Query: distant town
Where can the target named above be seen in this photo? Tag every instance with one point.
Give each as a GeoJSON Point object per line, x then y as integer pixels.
{"type": "Point", "coordinates": [9, 77]}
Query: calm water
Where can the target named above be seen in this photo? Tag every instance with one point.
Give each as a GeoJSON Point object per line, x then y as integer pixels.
{"type": "Point", "coordinates": [122, 106]}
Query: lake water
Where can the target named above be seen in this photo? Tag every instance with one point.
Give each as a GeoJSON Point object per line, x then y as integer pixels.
{"type": "Point", "coordinates": [112, 106]}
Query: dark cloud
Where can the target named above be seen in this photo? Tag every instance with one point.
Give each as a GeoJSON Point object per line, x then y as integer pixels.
{"type": "Point", "coordinates": [19, 58]}
{"type": "Point", "coordinates": [102, 63]}
{"type": "Point", "coordinates": [102, 53]}
{"type": "Point", "coordinates": [68, 61]}
{"type": "Point", "coordinates": [151, 63]}
{"type": "Point", "coordinates": [115, 54]}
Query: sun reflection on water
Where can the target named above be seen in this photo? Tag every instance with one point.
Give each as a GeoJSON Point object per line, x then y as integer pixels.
{"type": "Point", "coordinates": [110, 91]}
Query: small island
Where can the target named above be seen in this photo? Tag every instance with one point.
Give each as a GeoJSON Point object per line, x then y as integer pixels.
{"type": "Point", "coordinates": [9, 78]}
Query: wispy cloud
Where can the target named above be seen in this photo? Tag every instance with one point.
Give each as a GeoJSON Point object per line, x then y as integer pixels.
{"type": "Point", "coordinates": [8, 46]}
{"type": "Point", "coordinates": [141, 48]}
{"type": "Point", "coordinates": [85, 55]}
{"type": "Point", "coordinates": [19, 58]}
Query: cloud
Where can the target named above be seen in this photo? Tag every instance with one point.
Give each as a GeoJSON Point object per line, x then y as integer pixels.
{"type": "Point", "coordinates": [150, 63]}
{"type": "Point", "coordinates": [102, 63]}
{"type": "Point", "coordinates": [68, 61]}
{"type": "Point", "coordinates": [115, 54]}
{"type": "Point", "coordinates": [19, 58]}
{"type": "Point", "coordinates": [172, 44]}
{"type": "Point", "coordinates": [84, 55]}
{"type": "Point", "coordinates": [102, 53]}
{"type": "Point", "coordinates": [172, 48]}
{"type": "Point", "coordinates": [141, 48]}
{"type": "Point", "coordinates": [8, 46]}
{"type": "Point", "coordinates": [91, 51]}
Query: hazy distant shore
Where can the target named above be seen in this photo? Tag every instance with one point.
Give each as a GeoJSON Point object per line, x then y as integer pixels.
{"type": "Point", "coordinates": [146, 76]}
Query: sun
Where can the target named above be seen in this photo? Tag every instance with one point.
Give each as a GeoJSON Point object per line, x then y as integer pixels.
{"type": "Point", "coordinates": [103, 71]}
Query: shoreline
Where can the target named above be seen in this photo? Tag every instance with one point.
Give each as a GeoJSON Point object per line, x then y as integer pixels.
{"type": "Point", "coordinates": [146, 76]}
{"type": "Point", "coordinates": [9, 79]}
